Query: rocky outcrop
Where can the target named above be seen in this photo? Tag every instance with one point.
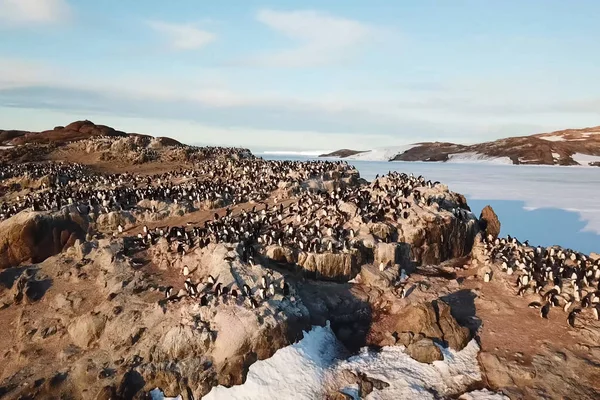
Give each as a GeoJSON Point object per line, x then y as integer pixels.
{"type": "Point", "coordinates": [35, 236]}
{"type": "Point", "coordinates": [489, 222]}
{"type": "Point", "coordinates": [554, 148]}
{"type": "Point", "coordinates": [432, 320]}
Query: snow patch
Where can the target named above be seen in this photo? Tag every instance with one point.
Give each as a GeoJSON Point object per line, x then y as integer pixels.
{"type": "Point", "coordinates": [585, 159]}
{"type": "Point", "coordinates": [555, 155]}
{"type": "Point", "coordinates": [553, 138]}
{"type": "Point", "coordinates": [293, 372]}
{"type": "Point", "coordinates": [381, 153]}
{"type": "Point", "coordinates": [311, 367]}
{"type": "Point", "coordinates": [410, 379]}
{"type": "Point", "coordinates": [476, 158]}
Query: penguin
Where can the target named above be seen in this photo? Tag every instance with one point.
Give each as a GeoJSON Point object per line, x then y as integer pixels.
{"type": "Point", "coordinates": [596, 312]}
{"type": "Point", "coordinates": [487, 276]}
{"type": "Point", "coordinates": [545, 310]}
{"type": "Point", "coordinates": [271, 290]}
{"type": "Point", "coordinates": [211, 280]}
{"type": "Point", "coordinates": [263, 282]}
{"type": "Point", "coordinates": [262, 292]}
{"type": "Point", "coordinates": [534, 304]}
{"type": "Point", "coordinates": [381, 267]}
{"type": "Point", "coordinates": [572, 316]}
{"type": "Point", "coordinates": [567, 306]}
{"type": "Point", "coordinates": [168, 292]}
{"type": "Point", "coordinates": [247, 291]}
{"type": "Point", "coordinates": [285, 288]}
{"type": "Point", "coordinates": [186, 270]}
{"type": "Point", "coordinates": [203, 300]}
{"type": "Point", "coordinates": [253, 302]}
{"type": "Point", "coordinates": [217, 289]}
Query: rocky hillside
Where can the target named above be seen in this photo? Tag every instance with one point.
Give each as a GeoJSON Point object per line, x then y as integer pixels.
{"type": "Point", "coordinates": [196, 263]}
{"type": "Point", "coordinates": [63, 134]}
{"type": "Point", "coordinates": [567, 147]}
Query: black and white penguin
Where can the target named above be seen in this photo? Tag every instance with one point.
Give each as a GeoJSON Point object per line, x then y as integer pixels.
{"type": "Point", "coordinates": [247, 291]}
{"type": "Point", "coordinates": [168, 292]}
{"type": "Point", "coordinates": [545, 310]}
{"type": "Point", "coordinates": [487, 276]}
{"type": "Point", "coordinates": [571, 318]}
{"type": "Point", "coordinates": [204, 300]}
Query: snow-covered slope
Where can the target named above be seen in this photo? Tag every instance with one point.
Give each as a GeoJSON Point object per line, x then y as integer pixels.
{"type": "Point", "coordinates": [585, 159]}
{"type": "Point", "coordinates": [381, 153]}
{"type": "Point", "coordinates": [311, 368]}
{"type": "Point", "coordinates": [476, 158]}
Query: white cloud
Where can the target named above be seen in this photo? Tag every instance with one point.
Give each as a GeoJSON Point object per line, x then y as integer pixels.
{"type": "Point", "coordinates": [322, 39]}
{"type": "Point", "coordinates": [18, 12]}
{"type": "Point", "coordinates": [183, 36]}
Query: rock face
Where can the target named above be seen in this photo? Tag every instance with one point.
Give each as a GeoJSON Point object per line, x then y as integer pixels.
{"type": "Point", "coordinates": [490, 224]}
{"type": "Point", "coordinates": [433, 320]}
{"type": "Point", "coordinates": [34, 236]}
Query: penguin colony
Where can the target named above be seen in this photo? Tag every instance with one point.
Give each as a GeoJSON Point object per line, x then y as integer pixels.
{"type": "Point", "coordinates": [562, 279]}
{"type": "Point", "coordinates": [318, 220]}
{"type": "Point", "coordinates": [315, 223]}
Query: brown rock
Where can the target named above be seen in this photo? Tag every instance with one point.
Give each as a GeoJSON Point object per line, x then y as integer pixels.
{"type": "Point", "coordinates": [329, 266]}
{"type": "Point", "coordinates": [425, 351]}
{"type": "Point", "coordinates": [107, 393]}
{"type": "Point", "coordinates": [34, 236]}
{"type": "Point", "coordinates": [86, 329]}
{"type": "Point", "coordinates": [489, 222]}
{"type": "Point", "coordinates": [432, 320]}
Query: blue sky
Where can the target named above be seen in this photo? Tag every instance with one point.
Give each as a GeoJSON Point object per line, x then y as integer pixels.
{"type": "Point", "coordinates": [307, 75]}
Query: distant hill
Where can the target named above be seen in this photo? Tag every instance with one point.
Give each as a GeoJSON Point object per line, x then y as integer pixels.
{"type": "Point", "coordinates": [566, 147]}
{"type": "Point", "coordinates": [62, 134]}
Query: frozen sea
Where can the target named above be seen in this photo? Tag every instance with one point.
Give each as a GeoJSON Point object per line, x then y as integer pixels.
{"type": "Point", "coordinates": [549, 205]}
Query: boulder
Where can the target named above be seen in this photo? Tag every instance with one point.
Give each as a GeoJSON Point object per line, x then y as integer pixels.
{"type": "Point", "coordinates": [86, 329]}
{"type": "Point", "coordinates": [489, 222]}
{"type": "Point", "coordinates": [35, 236]}
{"type": "Point", "coordinates": [425, 351]}
{"type": "Point", "coordinates": [371, 275]}
{"type": "Point", "coordinates": [432, 320]}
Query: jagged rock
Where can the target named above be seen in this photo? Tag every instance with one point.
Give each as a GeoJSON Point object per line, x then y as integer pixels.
{"type": "Point", "coordinates": [424, 351]}
{"type": "Point", "coordinates": [431, 319]}
{"type": "Point", "coordinates": [281, 254]}
{"type": "Point", "coordinates": [330, 266]}
{"type": "Point", "coordinates": [489, 222]}
{"type": "Point", "coordinates": [393, 254]}
{"type": "Point", "coordinates": [35, 236]}
{"type": "Point", "coordinates": [339, 396]}
{"type": "Point", "coordinates": [382, 231]}
{"type": "Point", "coordinates": [86, 329]}
{"type": "Point", "coordinates": [371, 275]}
{"type": "Point", "coordinates": [109, 222]}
